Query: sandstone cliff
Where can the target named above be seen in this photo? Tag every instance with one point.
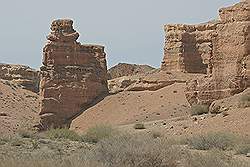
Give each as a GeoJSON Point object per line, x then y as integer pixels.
{"type": "Point", "coordinates": [219, 49]}
{"type": "Point", "coordinates": [21, 75]}
{"type": "Point", "coordinates": [72, 75]}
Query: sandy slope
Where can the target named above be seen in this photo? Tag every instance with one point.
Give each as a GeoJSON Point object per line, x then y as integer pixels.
{"type": "Point", "coordinates": [237, 121]}
{"type": "Point", "coordinates": [18, 108]}
{"type": "Point", "coordinates": [131, 106]}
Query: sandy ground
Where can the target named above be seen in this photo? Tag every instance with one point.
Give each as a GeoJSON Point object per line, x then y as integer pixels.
{"type": "Point", "coordinates": [237, 122]}
{"type": "Point", "coordinates": [165, 110]}
{"type": "Point", "coordinates": [18, 108]}
{"type": "Point", "coordinates": [130, 107]}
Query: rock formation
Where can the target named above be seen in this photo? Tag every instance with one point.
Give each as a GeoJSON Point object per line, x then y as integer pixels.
{"type": "Point", "coordinates": [150, 81]}
{"type": "Point", "coordinates": [72, 76]}
{"type": "Point", "coordinates": [219, 49]}
{"type": "Point", "coordinates": [21, 75]}
{"type": "Point", "coordinates": [124, 69]}
{"type": "Point", "coordinates": [188, 48]}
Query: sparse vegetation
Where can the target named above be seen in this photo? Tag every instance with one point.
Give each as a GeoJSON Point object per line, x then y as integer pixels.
{"type": "Point", "coordinates": [243, 149]}
{"type": "Point", "coordinates": [136, 151]}
{"type": "Point", "coordinates": [123, 150]}
{"type": "Point", "coordinates": [25, 134]}
{"type": "Point", "coordinates": [221, 141]}
{"type": "Point", "coordinates": [214, 158]}
{"type": "Point", "coordinates": [139, 126]}
{"type": "Point", "coordinates": [244, 101]}
{"type": "Point", "coordinates": [63, 134]}
{"type": "Point", "coordinates": [156, 134]}
{"type": "Point", "coordinates": [97, 133]}
{"type": "Point", "coordinates": [199, 109]}
{"type": "Point", "coordinates": [17, 142]}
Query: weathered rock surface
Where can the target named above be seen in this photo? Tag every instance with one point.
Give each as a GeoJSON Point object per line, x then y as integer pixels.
{"type": "Point", "coordinates": [124, 69]}
{"type": "Point", "coordinates": [230, 59]}
{"type": "Point", "coordinates": [234, 102]}
{"type": "Point", "coordinates": [188, 48]}
{"type": "Point", "coordinates": [219, 49]}
{"type": "Point", "coordinates": [72, 76]}
{"type": "Point", "coordinates": [21, 75]}
{"type": "Point", "coordinates": [150, 81]}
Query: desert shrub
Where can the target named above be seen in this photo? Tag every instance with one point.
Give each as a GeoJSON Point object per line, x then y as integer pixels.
{"type": "Point", "coordinates": [4, 139]}
{"type": "Point", "coordinates": [212, 159]}
{"type": "Point", "coordinates": [199, 109]}
{"type": "Point", "coordinates": [244, 101]}
{"type": "Point", "coordinates": [156, 134]}
{"type": "Point", "coordinates": [97, 133]}
{"type": "Point", "coordinates": [243, 149]}
{"type": "Point", "coordinates": [17, 142]}
{"type": "Point", "coordinates": [210, 141]}
{"type": "Point", "coordinates": [26, 134]}
{"type": "Point", "coordinates": [139, 126]}
{"type": "Point", "coordinates": [62, 134]}
{"type": "Point", "coordinates": [140, 151]}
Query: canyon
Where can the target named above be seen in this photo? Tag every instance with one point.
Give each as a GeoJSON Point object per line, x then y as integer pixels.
{"type": "Point", "coordinates": [203, 64]}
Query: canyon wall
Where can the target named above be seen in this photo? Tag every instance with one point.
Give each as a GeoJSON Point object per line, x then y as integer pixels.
{"type": "Point", "coordinates": [219, 49]}
{"type": "Point", "coordinates": [188, 48]}
{"type": "Point", "coordinates": [72, 76]}
{"type": "Point", "coordinates": [23, 76]}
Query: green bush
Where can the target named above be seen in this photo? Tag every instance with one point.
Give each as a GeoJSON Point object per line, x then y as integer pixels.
{"type": "Point", "coordinates": [221, 141]}
{"type": "Point", "coordinates": [244, 101]}
{"type": "Point", "coordinates": [199, 109]}
{"type": "Point", "coordinates": [62, 134]}
{"type": "Point", "coordinates": [97, 133]}
{"type": "Point", "coordinates": [139, 126]}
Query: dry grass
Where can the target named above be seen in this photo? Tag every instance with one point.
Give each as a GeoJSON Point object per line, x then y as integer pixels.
{"type": "Point", "coordinates": [210, 141]}
{"type": "Point", "coordinates": [97, 133]}
{"type": "Point", "coordinates": [63, 134]}
{"type": "Point", "coordinates": [214, 158]}
{"type": "Point", "coordinates": [136, 151]}
{"type": "Point", "coordinates": [123, 150]}
{"type": "Point", "coordinates": [139, 126]}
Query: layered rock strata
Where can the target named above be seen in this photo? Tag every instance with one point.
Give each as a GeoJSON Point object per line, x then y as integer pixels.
{"type": "Point", "coordinates": [23, 76]}
{"type": "Point", "coordinates": [72, 76]}
{"type": "Point", "coordinates": [230, 59]}
{"type": "Point", "coordinates": [188, 48]}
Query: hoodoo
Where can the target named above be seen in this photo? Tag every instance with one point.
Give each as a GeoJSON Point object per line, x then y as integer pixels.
{"type": "Point", "coordinates": [72, 76]}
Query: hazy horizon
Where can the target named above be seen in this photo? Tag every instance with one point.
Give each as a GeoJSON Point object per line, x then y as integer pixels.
{"type": "Point", "coordinates": [131, 31]}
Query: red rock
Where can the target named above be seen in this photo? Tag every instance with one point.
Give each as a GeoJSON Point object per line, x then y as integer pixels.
{"type": "Point", "coordinates": [72, 75]}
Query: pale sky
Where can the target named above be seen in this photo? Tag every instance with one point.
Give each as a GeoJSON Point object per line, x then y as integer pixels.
{"type": "Point", "coordinates": [130, 30]}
